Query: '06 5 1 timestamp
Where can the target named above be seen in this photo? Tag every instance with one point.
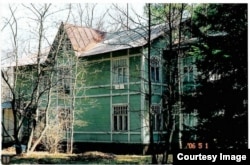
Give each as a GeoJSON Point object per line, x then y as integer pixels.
{"type": "Point", "coordinates": [196, 145]}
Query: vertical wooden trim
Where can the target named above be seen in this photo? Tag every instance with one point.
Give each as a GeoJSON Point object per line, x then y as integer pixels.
{"type": "Point", "coordinates": [128, 63]}
{"type": "Point", "coordinates": [142, 97]}
{"type": "Point", "coordinates": [111, 101]}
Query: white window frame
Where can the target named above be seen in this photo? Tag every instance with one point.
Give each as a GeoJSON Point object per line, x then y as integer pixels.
{"type": "Point", "coordinates": [155, 69]}
{"type": "Point", "coordinates": [63, 75]}
{"type": "Point", "coordinates": [157, 117]}
{"type": "Point", "coordinates": [191, 119]}
{"type": "Point", "coordinates": [214, 76]}
{"type": "Point", "coordinates": [188, 69]}
{"type": "Point", "coordinates": [120, 117]}
{"type": "Point", "coordinates": [120, 70]}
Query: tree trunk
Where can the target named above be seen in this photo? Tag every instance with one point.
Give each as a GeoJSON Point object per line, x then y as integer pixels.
{"type": "Point", "coordinates": [151, 131]}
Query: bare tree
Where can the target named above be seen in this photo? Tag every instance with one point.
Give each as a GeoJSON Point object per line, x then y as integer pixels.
{"type": "Point", "coordinates": [89, 15]}
{"type": "Point", "coordinates": [124, 21]}
{"type": "Point", "coordinates": [54, 133]}
{"type": "Point", "coordinates": [151, 131]}
{"type": "Point", "coordinates": [70, 82]}
{"type": "Point", "coordinates": [26, 82]}
{"type": "Point", "coordinates": [43, 80]}
{"type": "Point", "coordinates": [172, 16]}
{"type": "Point", "coordinates": [45, 86]}
{"type": "Point", "coordinates": [124, 18]}
{"type": "Point", "coordinates": [12, 23]}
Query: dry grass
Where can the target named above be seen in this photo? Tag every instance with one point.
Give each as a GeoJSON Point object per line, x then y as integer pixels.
{"type": "Point", "coordinates": [92, 157]}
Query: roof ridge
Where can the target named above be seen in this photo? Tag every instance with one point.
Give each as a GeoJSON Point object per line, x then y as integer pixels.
{"type": "Point", "coordinates": [82, 37]}
{"type": "Point", "coordinates": [78, 26]}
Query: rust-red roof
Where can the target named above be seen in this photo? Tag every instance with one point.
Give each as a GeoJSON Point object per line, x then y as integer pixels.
{"type": "Point", "coordinates": [83, 38]}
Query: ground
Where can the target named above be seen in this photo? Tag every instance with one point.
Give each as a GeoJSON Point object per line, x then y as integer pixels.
{"type": "Point", "coordinates": [91, 157]}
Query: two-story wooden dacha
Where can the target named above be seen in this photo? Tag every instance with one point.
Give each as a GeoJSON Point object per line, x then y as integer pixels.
{"type": "Point", "coordinates": [102, 85]}
{"type": "Point", "coordinates": [115, 83]}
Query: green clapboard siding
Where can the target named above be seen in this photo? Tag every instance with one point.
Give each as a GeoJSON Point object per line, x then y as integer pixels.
{"type": "Point", "coordinates": [135, 113]}
{"type": "Point", "coordinates": [91, 137]}
{"type": "Point", "coordinates": [136, 138]}
{"type": "Point", "coordinates": [96, 95]}
{"type": "Point", "coordinates": [120, 137]}
{"type": "Point", "coordinates": [96, 116]}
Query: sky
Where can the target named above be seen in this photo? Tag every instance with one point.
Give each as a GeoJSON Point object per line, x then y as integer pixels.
{"type": "Point", "coordinates": [26, 25]}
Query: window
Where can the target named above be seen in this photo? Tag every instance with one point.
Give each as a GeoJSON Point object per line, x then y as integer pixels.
{"type": "Point", "coordinates": [191, 119]}
{"type": "Point", "coordinates": [68, 45]}
{"type": "Point", "coordinates": [64, 117]}
{"type": "Point", "coordinates": [120, 71]}
{"type": "Point", "coordinates": [214, 76]}
{"type": "Point", "coordinates": [45, 82]}
{"type": "Point", "coordinates": [188, 70]}
{"type": "Point", "coordinates": [157, 118]}
{"type": "Point", "coordinates": [64, 80]}
{"type": "Point", "coordinates": [120, 117]}
{"type": "Point", "coordinates": [155, 69]}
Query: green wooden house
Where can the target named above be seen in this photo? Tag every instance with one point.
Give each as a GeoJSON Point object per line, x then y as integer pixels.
{"type": "Point", "coordinates": [102, 86]}
{"type": "Point", "coordinates": [112, 93]}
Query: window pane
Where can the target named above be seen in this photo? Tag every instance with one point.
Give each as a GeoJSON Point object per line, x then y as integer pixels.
{"type": "Point", "coordinates": [157, 74]}
{"type": "Point", "coordinates": [124, 75]}
{"type": "Point", "coordinates": [120, 122]}
{"type": "Point", "coordinates": [119, 71]}
{"type": "Point", "coordinates": [157, 117]}
{"type": "Point", "coordinates": [185, 69]}
{"type": "Point", "coordinates": [121, 75]}
{"type": "Point", "coordinates": [125, 122]}
{"type": "Point", "coordinates": [153, 74]}
{"type": "Point", "coordinates": [120, 117]}
{"type": "Point", "coordinates": [115, 123]}
{"type": "Point", "coordinates": [154, 64]}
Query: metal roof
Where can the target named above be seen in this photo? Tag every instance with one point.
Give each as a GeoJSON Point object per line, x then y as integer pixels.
{"type": "Point", "coordinates": [82, 38]}
{"type": "Point", "coordinates": [124, 40]}
{"type": "Point", "coordinates": [87, 41]}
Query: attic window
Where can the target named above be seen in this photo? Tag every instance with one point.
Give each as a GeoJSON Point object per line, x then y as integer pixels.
{"type": "Point", "coordinates": [68, 45]}
{"type": "Point", "coordinates": [64, 80]}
